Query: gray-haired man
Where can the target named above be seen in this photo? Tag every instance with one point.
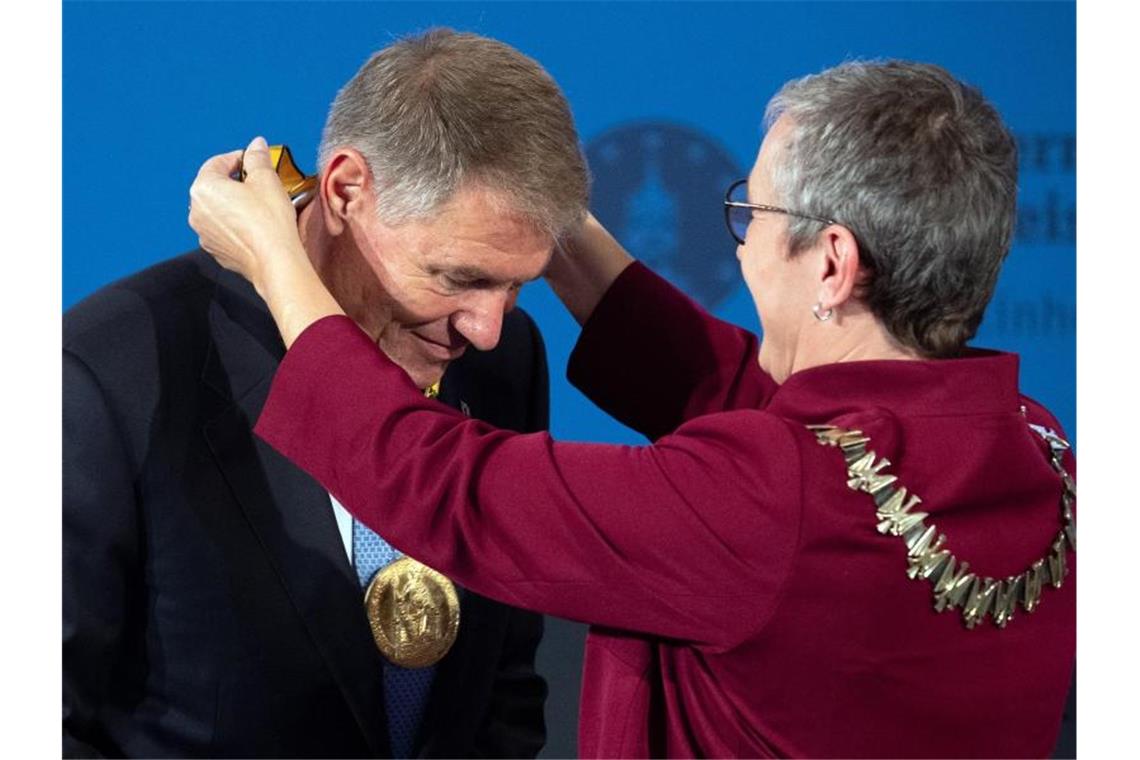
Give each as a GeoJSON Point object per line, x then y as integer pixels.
{"type": "Point", "coordinates": [213, 595]}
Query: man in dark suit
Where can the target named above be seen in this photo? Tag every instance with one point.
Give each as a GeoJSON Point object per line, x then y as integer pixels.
{"type": "Point", "coordinates": [212, 592]}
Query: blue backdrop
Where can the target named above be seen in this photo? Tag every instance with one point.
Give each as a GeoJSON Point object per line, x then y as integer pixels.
{"type": "Point", "coordinates": [668, 99]}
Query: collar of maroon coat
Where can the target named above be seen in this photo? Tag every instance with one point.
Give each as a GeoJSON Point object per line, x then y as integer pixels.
{"type": "Point", "coordinates": [981, 382]}
{"type": "Point", "coordinates": [653, 327]}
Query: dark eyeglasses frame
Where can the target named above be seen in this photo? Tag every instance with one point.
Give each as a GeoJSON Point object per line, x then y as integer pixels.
{"type": "Point", "coordinates": [731, 204]}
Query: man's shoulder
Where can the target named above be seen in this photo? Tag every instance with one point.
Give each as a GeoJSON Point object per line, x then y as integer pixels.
{"type": "Point", "coordinates": [137, 333]}
{"type": "Point", "coordinates": [130, 308]}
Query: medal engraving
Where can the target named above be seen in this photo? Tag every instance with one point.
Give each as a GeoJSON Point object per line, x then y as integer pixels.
{"type": "Point", "coordinates": [413, 612]}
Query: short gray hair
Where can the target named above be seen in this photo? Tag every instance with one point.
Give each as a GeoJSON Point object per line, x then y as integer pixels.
{"type": "Point", "coordinates": [442, 110]}
{"type": "Point", "coordinates": [921, 169]}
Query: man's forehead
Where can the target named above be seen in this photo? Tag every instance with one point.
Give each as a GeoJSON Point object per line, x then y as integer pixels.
{"type": "Point", "coordinates": [477, 233]}
{"type": "Point", "coordinates": [506, 261]}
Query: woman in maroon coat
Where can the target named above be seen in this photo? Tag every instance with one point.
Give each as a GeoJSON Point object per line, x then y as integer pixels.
{"type": "Point", "coordinates": [852, 539]}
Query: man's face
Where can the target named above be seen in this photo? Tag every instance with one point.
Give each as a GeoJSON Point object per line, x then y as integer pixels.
{"type": "Point", "coordinates": [445, 282]}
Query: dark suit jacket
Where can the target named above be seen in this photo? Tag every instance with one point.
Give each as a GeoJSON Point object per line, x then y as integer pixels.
{"type": "Point", "coordinates": [209, 607]}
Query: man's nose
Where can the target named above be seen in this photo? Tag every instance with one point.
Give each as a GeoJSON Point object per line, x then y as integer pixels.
{"type": "Point", "coordinates": [481, 320]}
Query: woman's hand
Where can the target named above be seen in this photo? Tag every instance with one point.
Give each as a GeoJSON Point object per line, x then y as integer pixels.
{"type": "Point", "coordinates": [584, 266]}
{"type": "Point", "coordinates": [250, 227]}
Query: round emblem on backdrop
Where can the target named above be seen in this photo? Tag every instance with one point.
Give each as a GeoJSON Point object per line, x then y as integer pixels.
{"type": "Point", "coordinates": [659, 188]}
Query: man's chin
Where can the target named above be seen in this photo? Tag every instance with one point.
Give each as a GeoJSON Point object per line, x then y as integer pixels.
{"type": "Point", "coordinates": [425, 364]}
{"type": "Point", "coordinates": [427, 373]}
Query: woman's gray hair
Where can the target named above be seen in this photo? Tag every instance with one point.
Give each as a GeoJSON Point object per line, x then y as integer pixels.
{"type": "Point", "coordinates": [441, 110]}
{"type": "Point", "coordinates": [923, 172]}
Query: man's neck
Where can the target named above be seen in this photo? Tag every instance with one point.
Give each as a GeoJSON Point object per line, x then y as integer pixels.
{"type": "Point", "coordinates": [314, 237]}
{"type": "Point", "coordinates": [343, 270]}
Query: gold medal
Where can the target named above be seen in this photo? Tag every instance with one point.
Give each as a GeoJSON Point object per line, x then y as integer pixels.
{"type": "Point", "coordinates": [413, 612]}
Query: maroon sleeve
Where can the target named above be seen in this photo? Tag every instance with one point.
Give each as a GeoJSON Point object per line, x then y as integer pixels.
{"type": "Point", "coordinates": [662, 539]}
{"type": "Point", "coordinates": [653, 359]}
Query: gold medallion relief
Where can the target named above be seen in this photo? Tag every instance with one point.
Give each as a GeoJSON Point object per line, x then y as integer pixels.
{"type": "Point", "coordinates": [413, 612]}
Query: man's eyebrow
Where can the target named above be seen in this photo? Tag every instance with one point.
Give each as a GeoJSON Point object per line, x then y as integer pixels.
{"type": "Point", "coordinates": [475, 274]}
{"type": "Point", "coordinates": [468, 273]}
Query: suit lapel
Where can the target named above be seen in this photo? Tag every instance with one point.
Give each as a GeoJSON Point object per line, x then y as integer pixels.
{"type": "Point", "coordinates": [288, 511]}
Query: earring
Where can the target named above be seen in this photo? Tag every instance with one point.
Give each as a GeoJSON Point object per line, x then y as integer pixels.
{"type": "Point", "coordinates": [821, 313]}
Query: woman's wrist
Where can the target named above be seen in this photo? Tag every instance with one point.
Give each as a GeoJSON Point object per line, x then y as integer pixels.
{"type": "Point", "coordinates": [284, 264]}
{"type": "Point", "coordinates": [294, 293]}
{"type": "Point", "coordinates": [584, 266]}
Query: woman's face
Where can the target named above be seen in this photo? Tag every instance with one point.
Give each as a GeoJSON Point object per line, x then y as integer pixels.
{"type": "Point", "coordinates": [783, 288]}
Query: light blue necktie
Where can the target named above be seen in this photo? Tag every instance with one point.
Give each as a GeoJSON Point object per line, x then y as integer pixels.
{"type": "Point", "coordinates": [405, 689]}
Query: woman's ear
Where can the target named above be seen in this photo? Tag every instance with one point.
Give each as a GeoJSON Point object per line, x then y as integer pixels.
{"type": "Point", "coordinates": [842, 274]}
{"type": "Point", "coordinates": [346, 184]}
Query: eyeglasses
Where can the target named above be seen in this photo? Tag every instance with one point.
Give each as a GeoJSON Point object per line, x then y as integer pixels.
{"type": "Point", "coordinates": [738, 211]}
